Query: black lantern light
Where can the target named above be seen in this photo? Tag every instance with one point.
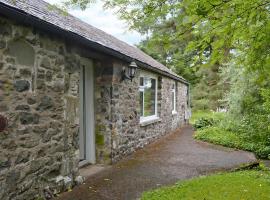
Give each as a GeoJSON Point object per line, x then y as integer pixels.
{"type": "Point", "coordinates": [130, 71]}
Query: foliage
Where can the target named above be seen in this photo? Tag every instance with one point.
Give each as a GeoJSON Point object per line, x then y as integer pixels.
{"type": "Point", "coordinates": [207, 93]}
{"type": "Point", "coordinates": [266, 97]}
{"type": "Point", "coordinates": [220, 136]}
{"type": "Point", "coordinates": [82, 4]}
{"type": "Point", "coordinates": [216, 116]}
{"type": "Point", "coordinates": [252, 184]}
{"type": "Point", "coordinates": [250, 132]}
{"type": "Point", "coordinates": [203, 123]}
{"type": "Point", "coordinates": [211, 28]}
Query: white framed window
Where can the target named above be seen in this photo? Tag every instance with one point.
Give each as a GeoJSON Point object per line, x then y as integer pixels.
{"type": "Point", "coordinates": [148, 97]}
{"type": "Point", "coordinates": [173, 95]}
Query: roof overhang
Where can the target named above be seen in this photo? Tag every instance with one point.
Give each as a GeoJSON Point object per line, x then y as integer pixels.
{"type": "Point", "coordinates": [27, 19]}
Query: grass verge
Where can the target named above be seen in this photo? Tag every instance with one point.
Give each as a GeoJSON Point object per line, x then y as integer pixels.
{"type": "Point", "coordinates": [241, 185]}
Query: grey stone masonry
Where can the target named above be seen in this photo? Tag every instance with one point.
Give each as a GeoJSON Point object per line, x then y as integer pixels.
{"type": "Point", "coordinates": [128, 134]}
{"type": "Point", "coordinates": [39, 95]}
{"type": "Point", "coordinates": [39, 82]}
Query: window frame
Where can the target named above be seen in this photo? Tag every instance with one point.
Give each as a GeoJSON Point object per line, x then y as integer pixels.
{"type": "Point", "coordinates": [141, 89]}
{"type": "Point", "coordinates": [173, 91]}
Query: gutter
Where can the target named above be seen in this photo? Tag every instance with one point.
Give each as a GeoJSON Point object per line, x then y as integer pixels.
{"type": "Point", "coordinates": [25, 18]}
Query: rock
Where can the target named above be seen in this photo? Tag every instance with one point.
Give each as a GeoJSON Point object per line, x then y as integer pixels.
{"type": "Point", "coordinates": [5, 29]}
{"type": "Point", "coordinates": [1, 65]}
{"type": "Point", "coordinates": [36, 165]}
{"type": "Point", "coordinates": [40, 75]}
{"type": "Point", "coordinates": [29, 143]}
{"type": "Point", "coordinates": [9, 144]}
{"type": "Point", "coordinates": [21, 85]}
{"type": "Point", "coordinates": [46, 137]}
{"type": "Point", "coordinates": [32, 39]}
{"type": "Point", "coordinates": [49, 76]}
{"type": "Point", "coordinates": [46, 103]}
{"type": "Point", "coordinates": [2, 45]}
{"type": "Point", "coordinates": [25, 72]}
{"type": "Point", "coordinates": [23, 157]}
{"type": "Point", "coordinates": [48, 194]}
{"type": "Point", "coordinates": [10, 60]}
{"type": "Point", "coordinates": [3, 108]}
{"type": "Point", "coordinates": [40, 84]}
{"type": "Point", "coordinates": [71, 65]}
{"type": "Point", "coordinates": [23, 107]}
{"type": "Point", "coordinates": [29, 118]}
{"type": "Point", "coordinates": [58, 86]}
{"type": "Point", "coordinates": [45, 63]}
{"type": "Point", "coordinates": [79, 180]}
{"type": "Point", "coordinates": [64, 182]}
{"type": "Point", "coordinates": [4, 163]}
{"type": "Point", "coordinates": [61, 50]}
{"type": "Point", "coordinates": [59, 179]}
{"type": "Point", "coordinates": [12, 178]}
{"type": "Point", "coordinates": [67, 181]}
{"type": "Point", "coordinates": [31, 101]}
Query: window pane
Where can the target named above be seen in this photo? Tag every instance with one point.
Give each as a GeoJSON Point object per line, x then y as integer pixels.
{"type": "Point", "coordinates": [141, 103]}
{"type": "Point", "coordinates": [149, 96]}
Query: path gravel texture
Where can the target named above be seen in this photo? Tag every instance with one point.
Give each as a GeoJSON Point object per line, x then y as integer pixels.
{"type": "Point", "coordinates": [174, 157]}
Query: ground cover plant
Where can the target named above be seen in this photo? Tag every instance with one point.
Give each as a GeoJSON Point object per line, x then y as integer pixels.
{"type": "Point", "coordinates": [247, 133]}
{"type": "Point", "coordinates": [241, 185]}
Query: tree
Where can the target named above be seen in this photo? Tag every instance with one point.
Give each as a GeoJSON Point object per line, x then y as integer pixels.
{"type": "Point", "coordinates": [218, 27]}
{"type": "Point", "coordinates": [200, 37]}
{"type": "Point", "coordinates": [242, 27]}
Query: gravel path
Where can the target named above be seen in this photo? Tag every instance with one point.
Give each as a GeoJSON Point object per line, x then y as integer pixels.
{"type": "Point", "coordinates": [175, 157]}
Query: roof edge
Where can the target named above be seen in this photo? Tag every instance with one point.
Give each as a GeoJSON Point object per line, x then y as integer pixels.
{"type": "Point", "coordinates": [17, 14]}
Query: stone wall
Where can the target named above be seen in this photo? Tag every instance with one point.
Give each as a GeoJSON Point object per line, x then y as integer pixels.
{"type": "Point", "coordinates": [39, 94]}
{"type": "Point", "coordinates": [39, 80]}
{"type": "Point", "coordinates": [127, 133]}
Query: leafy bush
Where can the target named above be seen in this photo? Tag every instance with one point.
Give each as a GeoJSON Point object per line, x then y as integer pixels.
{"type": "Point", "coordinates": [220, 136]}
{"type": "Point", "coordinates": [217, 116]}
{"type": "Point", "coordinates": [203, 123]}
{"type": "Point", "coordinates": [250, 131]}
{"type": "Point", "coordinates": [203, 119]}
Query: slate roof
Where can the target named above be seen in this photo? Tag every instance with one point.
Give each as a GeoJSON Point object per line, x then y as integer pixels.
{"type": "Point", "coordinates": [43, 11]}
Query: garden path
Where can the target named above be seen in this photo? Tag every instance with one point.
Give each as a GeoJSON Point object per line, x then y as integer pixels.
{"type": "Point", "coordinates": [174, 157]}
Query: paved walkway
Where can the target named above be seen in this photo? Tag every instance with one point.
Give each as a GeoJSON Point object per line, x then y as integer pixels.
{"type": "Point", "coordinates": [173, 158]}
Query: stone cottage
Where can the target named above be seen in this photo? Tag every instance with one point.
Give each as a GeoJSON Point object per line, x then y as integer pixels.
{"type": "Point", "coordinates": [72, 95]}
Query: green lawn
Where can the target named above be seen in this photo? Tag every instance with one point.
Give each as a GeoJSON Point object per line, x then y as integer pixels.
{"type": "Point", "coordinates": [241, 185]}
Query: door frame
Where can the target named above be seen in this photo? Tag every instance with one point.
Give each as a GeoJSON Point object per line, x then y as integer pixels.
{"type": "Point", "coordinates": [87, 122]}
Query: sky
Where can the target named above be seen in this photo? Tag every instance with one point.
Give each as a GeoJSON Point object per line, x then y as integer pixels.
{"type": "Point", "coordinates": [105, 20]}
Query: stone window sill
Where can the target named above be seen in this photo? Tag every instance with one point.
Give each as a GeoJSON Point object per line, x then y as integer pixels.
{"type": "Point", "coordinates": [150, 121]}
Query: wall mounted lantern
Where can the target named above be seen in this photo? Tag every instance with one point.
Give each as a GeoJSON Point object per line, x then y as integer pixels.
{"type": "Point", "coordinates": [130, 71]}
{"type": "Point", "coordinates": [3, 123]}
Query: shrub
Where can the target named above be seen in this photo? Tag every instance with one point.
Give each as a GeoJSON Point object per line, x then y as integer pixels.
{"type": "Point", "coordinates": [203, 123]}
{"type": "Point", "coordinates": [220, 136]}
